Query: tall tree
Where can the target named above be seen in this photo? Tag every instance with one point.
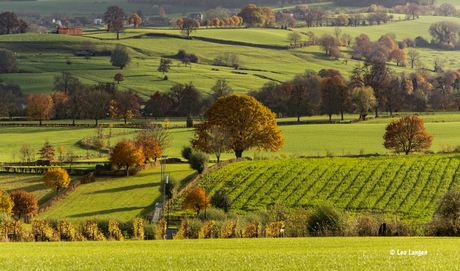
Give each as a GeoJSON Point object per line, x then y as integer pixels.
{"type": "Point", "coordinates": [9, 21]}
{"type": "Point", "coordinates": [250, 124]}
{"type": "Point", "coordinates": [157, 105]}
{"type": "Point", "coordinates": [8, 63]}
{"type": "Point", "coordinates": [76, 101]}
{"type": "Point", "coordinates": [39, 107]}
{"type": "Point", "coordinates": [330, 98]}
{"type": "Point", "coordinates": [56, 179]}
{"type": "Point", "coordinates": [407, 134]}
{"type": "Point", "coordinates": [126, 153]}
{"type": "Point", "coordinates": [134, 20]}
{"type": "Point", "coordinates": [190, 102]}
{"type": "Point", "coordinates": [117, 26]}
{"type": "Point", "coordinates": [446, 9]}
{"type": "Point", "coordinates": [413, 55]}
{"type": "Point", "coordinates": [189, 26]}
{"type": "Point", "coordinates": [120, 56]}
{"type": "Point", "coordinates": [165, 65]}
{"type": "Point", "coordinates": [97, 103]}
{"type": "Point", "coordinates": [64, 81]}
{"type": "Point", "coordinates": [300, 102]}
{"type": "Point", "coordinates": [364, 100]}
{"type": "Point", "coordinates": [149, 145]}
{"type": "Point", "coordinates": [113, 13]}
{"type": "Point", "coordinates": [25, 203]}
{"type": "Point", "coordinates": [221, 89]}
{"type": "Point", "coordinates": [125, 106]}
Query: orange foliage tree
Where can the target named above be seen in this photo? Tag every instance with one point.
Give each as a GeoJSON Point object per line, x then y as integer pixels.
{"type": "Point", "coordinates": [125, 106]}
{"type": "Point", "coordinates": [407, 134]}
{"type": "Point", "coordinates": [135, 20]}
{"type": "Point", "coordinates": [24, 203]}
{"type": "Point", "coordinates": [249, 123]}
{"type": "Point", "coordinates": [180, 23]}
{"type": "Point", "coordinates": [6, 203]}
{"type": "Point", "coordinates": [56, 178]}
{"type": "Point", "coordinates": [39, 107]}
{"type": "Point", "coordinates": [149, 145]}
{"type": "Point", "coordinates": [126, 153]}
{"type": "Point", "coordinates": [399, 56]}
{"type": "Point", "coordinates": [196, 200]}
{"type": "Point", "coordinates": [47, 152]}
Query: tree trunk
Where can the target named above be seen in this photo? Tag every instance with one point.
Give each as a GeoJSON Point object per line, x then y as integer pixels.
{"type": "Point", "coordinates": [40, 122]}
{"type": "Point", "coordinates": [73, 121]}
{"type": "Point", "coordinates": [127, 170]}
{"type": "Point", "coordinates": [376, 112]}
{"type": "Point", "coordinates": [96, 122]}
{"type": "Point", "coordinates": [298, 118]}
{"type": "Point", "coordinates": [330, 117]}
{"type": "Point", "coordinates": [238, 153]}
{"type": "Point", "coordinates": [218, 158]}
{"type": "Point", "coordinates": [125, 121]}
{"type": "Point", "coordinates": [342, 114]}
{"type": "Point", "coordinates": [118, 38]}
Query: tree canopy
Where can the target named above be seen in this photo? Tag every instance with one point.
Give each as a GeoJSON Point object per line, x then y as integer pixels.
{"type": "Point", "coordinates": [196, 200]}
{"type": "Point", "coordinates": [25, 203]}
{"type": "Point", "coordinates": [126, 153]}
{"type": "Point", "coordinates": [120, 57]}
{"type": "Point", "coordinates": [56, 178]}
{"type": "Point", "coordinates": [249, 123]}
{"type": "Point", "coordinates": [6, 203]}
{"type": "Point", "coordinates": [407, 134]}
{"type": "Point", "coordinates": [39, 107]}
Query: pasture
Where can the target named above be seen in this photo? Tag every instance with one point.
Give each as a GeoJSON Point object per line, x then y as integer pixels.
{"type": "Point", "coordinates": [122, 198]}
{"type": "Point", "coordinates": [327, 253]}
{"type": "Point", "coordinates": [32, 183]}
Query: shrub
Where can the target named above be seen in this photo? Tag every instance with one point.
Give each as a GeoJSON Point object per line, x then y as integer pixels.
{"type": "Point", "coordinates": [160, 231]}
{"type": "Point", "coordinates": [185, 231]}
{"type": "Point", "coordinates": [326, 220]}
{"type": "Point", "coordinates": [195, 227]}
{"type": "Point", "coordinates": [296, 224]}
{"type": "Point", "coordinates": [450, 207]}
{"type": "Point", "coordinates": [252, 230]}
{"type": "Point", "coordinates": [229, 230]}
{"type": "Point", "coordinates": [278, 213]}
{"type": "Point", "coordinates": [43, 231]}
{"type": "Point", "coordinates": [92, 232]}
{"type": "Point", "coordinates": [138, 229]}
{"type": "Point", "coordinates": [212, 214]}
{"type": "Point", "coordinates": [114, 230]}
{"type": "Point", "coordinates": [186, 152]}
{"type": "Point", "coordinates": [181, 54]}
{"type": "Point", "coordinates": [207, 229]}
{"type": "Point", "coordinates": [68, 62]}
{"type": "Point", "coordinates": [366, 225]}
{"type": "Point", "coordinates": [15, 232]}
{"type": "Point", "coordinates": [194, 58]}
{"type": "Point", "coordinates": [275, 229]}
{"type": "Point", "coordinates": [165, 78]}
{"type": "Point", "coordinates": [221, 201]}
{"type": "Point", "coordinates": [198, 161]}
{"type": "Point", "coordinates": [68, 233]}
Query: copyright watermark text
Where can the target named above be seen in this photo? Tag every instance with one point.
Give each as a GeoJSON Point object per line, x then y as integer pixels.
{"type": "Point", "coordinates": [408, 252]}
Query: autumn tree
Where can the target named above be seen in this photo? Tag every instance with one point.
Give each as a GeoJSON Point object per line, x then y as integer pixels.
{"type": "Point", "coordinates": [328, 42]}
{"type": "Point", "coordinates": [47, 152]}
{"type": "Point", "coordinates": [398, 56]}
{"type": "Point", "coordinates": [161, 134]}
{"type": "Point", "coordinates": [207, 23]}
{"type": "Point", "coordinates": [157, 105]}
{"type": "Point", "coordinates": [56, 179]}
{"type": "Point", "coordinates": [149, 145]}
{"type": "Point", "coordinates": [165, 65]}
{"type": "Point", "coordinates": [330, 96]}
{"type": "Point", "coordinates": [97, 104]}
{"type": "Point", "coordinates": [249, 123]}
{"type": "Point", "coordinates": [364, 100]}
{"type": "Point", "coordinates": [180, 23]}
{"type": "Point", "coordinates": [39, 107]}
{"type": "Point", "coordinates": [294, 37]}
{"type": "Point", "coordinates": [76, 101]}
{"type": "Point", "coordinates": [125, 106]}
{"type": "Point", "coordinates": [9, 21]}
{"type": "Point", "coordinates": [25, 203]}
{"type": "Point", "coordinates": [64, 81]}
{"type": "Point", "coordinates": [215, 22]}
{"type": "Point", "coordinates": [407, 134]}
{"type": "Point", "coordinates": [120, 56]}
{"type": "Point", "coordinates": [125, 153]}
{"type": "Point", "coordinates": [196, 200]}
{"type": "Point", "coordinates": [6, 203]}
{"type": "Point", "coordinates": [61, 104]}
{"type": "Point", "coordinates": [189, 26]}
{"type": "Point", "coordinates": [134, 20]}
{"type": "Point", "coordinates": [119, 77]}
{"type": "Point", "coordinates": [162, 13]}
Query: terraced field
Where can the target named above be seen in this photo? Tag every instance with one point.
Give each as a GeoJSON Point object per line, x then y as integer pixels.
{"type": "Point", "coordinates": [407, 185]}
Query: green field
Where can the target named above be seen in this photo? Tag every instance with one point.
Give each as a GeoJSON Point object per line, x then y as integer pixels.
{"type": "Point", "coordinates": [354, 253]}
{"type": "Point", "coordinates": [122, 198]}
{"type": "Point", "coordinates": [32, 183]}
{"type": "Point", "coordinates": [408, 185]}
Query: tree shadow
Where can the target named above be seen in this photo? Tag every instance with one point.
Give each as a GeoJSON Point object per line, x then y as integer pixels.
{"type": "Point", "coordinates": [126, 188]}
{"type": "Point", "coordinates": [105, 212]}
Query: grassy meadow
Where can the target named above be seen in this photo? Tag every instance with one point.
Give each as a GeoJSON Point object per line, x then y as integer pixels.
{"type": "Point", "coordinates": [32, 183]}
{"type": "Point", "coordinates": [327, 253]}
{"type": "Point", "coordinates": [122, 198]}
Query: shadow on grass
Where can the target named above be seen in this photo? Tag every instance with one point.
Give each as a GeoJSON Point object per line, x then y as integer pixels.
{"type": "Point", "coordinates": [125, 188]}
{"type": "Point", "coordinates": [105, 212]}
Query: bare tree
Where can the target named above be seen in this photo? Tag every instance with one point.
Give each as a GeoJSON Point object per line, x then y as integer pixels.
{"type": "Point", "coordinates": [413, 55]}
{"type": "Point", "coordinates": [97, 104]}
{"type": "Point", "coordinates": [219, 141]}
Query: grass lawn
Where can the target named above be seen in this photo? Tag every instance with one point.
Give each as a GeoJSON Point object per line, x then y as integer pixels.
{"type": "Point", "coordinates": [117, 197]}
{"type": "Point", "coordinates": [335, 253]}
{"type": "Point", "coordinates": [32, 183]}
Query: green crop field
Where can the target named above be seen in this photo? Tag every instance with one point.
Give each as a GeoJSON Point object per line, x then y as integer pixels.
{"type": "Point", "coordinates": [354, 253]}
{"type": "Point", "coordinates": [408, 185]}
{"type": "Point", "coordinates": [32, 183]}
{"type": "Point", "coordinates": [117, 197]}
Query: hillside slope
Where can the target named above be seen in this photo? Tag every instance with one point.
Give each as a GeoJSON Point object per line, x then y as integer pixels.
{"type": "Point", "coordinates": [408, 185]}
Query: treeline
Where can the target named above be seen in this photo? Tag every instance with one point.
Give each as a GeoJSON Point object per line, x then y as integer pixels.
{"type": "Point", "coordinates": [386, 3]}
{"type": "Point", "coordinates": [218, 3]}
{"type": "Point", "coordinates": [372, 87]}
